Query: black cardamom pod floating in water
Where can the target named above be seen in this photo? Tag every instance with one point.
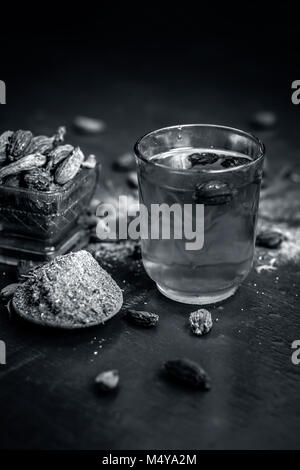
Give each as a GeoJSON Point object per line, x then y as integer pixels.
{"type": "Point", "coordinates": [203, 158]}
{"type": "Point", "coordinates": [232, 162]}
{"type": "Point", "coordinates": [213, 193]}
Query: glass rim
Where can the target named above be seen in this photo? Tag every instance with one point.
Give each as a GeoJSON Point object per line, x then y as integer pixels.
{"type": "Point", "coordinates": [249, 135]}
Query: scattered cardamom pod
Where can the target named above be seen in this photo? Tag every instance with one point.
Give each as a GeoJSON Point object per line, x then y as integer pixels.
{"type": "Point", "coordinates": [264, 120]}
{"type": "Point", "coordinates": [107, 381]}
{"type": "Point", "coordinates": [292, 174]}
{"type": "Point", "coordinates": [143, 318]}
{"type": "Point", "coordinates": [87, 125]}
{"type": "Point", "coordinates": [269, 239]}
{"type": "Point", "coordinates": [4, 141]}
{"type": "Point", "coordinates": [124, 162]}
{"type": "Point", "coordinates": [69, 167]}
{"type": "Point", "coordinates": [23, 164]}
{"type": "Point", "coordinates": [90, 162]}
{"type": "Point", "coordinates": [8, 291]}
{"type": "Point", "coordinates": [213, 193]}
{"type": "Point", "coordinates": [187, 372]}
{"type": "Point", "coordinates": [18, 144]}
{"type": "Point", "coordinates": [200, 322]}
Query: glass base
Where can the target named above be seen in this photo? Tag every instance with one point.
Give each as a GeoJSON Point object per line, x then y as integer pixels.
{"type": "Point", "coordinates": [211, 298]}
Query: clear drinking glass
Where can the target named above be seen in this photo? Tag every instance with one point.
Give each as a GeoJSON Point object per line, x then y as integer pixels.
{"type": "Point", "coordinates": [227, 183]}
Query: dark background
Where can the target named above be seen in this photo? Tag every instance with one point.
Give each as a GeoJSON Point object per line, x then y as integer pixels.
{"type": "Point", "coordinates": [148, 66]}
{"type": "Point", "coordinates": [139, 69]}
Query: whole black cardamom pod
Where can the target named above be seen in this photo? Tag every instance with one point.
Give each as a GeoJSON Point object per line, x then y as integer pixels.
{"type": "Point", "coordinates": [269, 239]}
{"type": "Point", "coordinates": [142, 318]}
{"type": "Point", "coordinates": [187, 372]}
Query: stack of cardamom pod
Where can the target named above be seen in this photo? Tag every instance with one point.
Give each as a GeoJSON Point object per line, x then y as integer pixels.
{"type": "Point", "coordinates": [39, 163]}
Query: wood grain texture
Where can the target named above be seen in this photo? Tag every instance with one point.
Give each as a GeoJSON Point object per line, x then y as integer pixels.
{"type": "Point", "coordinates": [47, 398]}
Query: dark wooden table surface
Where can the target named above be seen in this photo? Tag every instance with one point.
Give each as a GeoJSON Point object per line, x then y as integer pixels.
{"type": "Point", "coordinates": [47, 398]}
